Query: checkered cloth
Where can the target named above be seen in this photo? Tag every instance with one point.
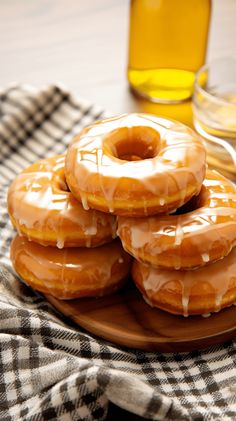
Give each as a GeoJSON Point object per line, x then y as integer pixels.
{"type": "Point", "coordinates": [52, 370]}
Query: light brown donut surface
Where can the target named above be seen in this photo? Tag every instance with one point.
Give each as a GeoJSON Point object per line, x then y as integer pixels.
{"type": "Point", "coordinates": [71, 272]}
{"type": "Point", "coordinates": [135, 165]}
{"type": "Point", "coordinates": [189, 240]}
{"type": "Point", "coordinates": [43, 209]}
{"type": "Point", "coordinates": [201, 291]}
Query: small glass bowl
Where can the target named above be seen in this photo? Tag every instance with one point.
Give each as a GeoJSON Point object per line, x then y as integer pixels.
{"type": "Point", "coordinates": [214, 113]}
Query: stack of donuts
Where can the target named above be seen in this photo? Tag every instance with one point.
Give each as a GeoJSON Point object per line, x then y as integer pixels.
{"type": "Point", "coordinates": [147, 176]}
{"type": "Point", "coordinates": [62, 249]}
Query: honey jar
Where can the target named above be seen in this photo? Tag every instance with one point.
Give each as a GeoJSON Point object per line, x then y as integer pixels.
{"type": "Point", "coordinates": [167, 46]}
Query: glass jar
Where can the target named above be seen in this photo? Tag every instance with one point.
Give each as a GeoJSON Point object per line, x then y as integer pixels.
{"type": "Point", "coordinates": [214, 113]}
{"type": "Point", "coordinates": [167, 45]}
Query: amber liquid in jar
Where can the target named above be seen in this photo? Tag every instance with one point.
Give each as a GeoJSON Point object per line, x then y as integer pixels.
{"type": "Point", "coordinates": [167, 45]}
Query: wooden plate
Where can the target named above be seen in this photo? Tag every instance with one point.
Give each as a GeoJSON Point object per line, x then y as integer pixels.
{"type": "Point", "coordinates": [125, 319]}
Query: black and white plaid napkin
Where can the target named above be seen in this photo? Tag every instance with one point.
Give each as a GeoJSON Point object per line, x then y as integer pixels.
{"type": "Point", "coordinates": [52, 370]}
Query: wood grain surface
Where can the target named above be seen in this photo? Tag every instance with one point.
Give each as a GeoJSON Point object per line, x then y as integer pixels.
{"type": "Point", "coordinates": [125, 319]}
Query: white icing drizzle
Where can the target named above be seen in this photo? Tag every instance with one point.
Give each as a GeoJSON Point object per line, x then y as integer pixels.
{"type": "Point", "coordinates": [205, 257]}
{"type": "Point", "coordinates": [179, 234]}
{"type": "Point", "coordinates": [60, 243]}
{"type": "Point", "coordinates": [84, 201]}
{"type": "Point", "coordinates": [211, 281]}
{"type": "Point", "coordinates": [171, 238]}
{"type": "Point", "coordinates": [186, 291]}
{"type": "Point", "coordinates": [185, 301]}
{"type": "Point", "coordinates": [93, 160]}
{"type": "Point", "coordinates": [138, 239]}
{"type": "Point", "coordinates": [38, 201]}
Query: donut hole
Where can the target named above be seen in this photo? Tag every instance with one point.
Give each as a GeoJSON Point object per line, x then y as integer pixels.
{"type": "Point", "coordinates": [133, 143]}
{"type": "Point", "coordinates": [194, 203]}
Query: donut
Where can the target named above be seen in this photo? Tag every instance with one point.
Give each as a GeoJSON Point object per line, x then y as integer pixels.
{"type": "Point", "coordinates": [135, 165]}
{"type": "Point", "coordinates": [201, 291]}
{"type": "Point", "coordinates": [70, 272]}
{"type": "Point", "coordinates": [201, 232]}
{"type": "Point", "coordinates": [42, 208]}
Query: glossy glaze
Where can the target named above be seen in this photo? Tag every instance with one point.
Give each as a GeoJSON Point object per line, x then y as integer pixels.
{"type": "Point", "coordinates": [41, 207]}
{"type": "Point", "coordinates": [200, 291]}
{"type": "Point", "coordinates": [71, 272]}
{"type": "Point", "coordinates": [193, 239]}
{"type": "Point", "coordinates": [135, 164]}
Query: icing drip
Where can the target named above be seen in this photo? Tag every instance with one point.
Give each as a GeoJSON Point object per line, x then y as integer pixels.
{"type": "Point", "coordinates": [206, 286]}
{"type": "Point", "coordinates": [179, 234]}
{"type": "Point", "coordinates": [39, 202]}
{"type": "Point", "coordinates": [138, 237]}
{"type": "Point", "coordinates": [107, 189]}
{"type": "Point", "coordinates": [60, 243]}
{"type": "Point", "coordinates": [190, 239]}
{"type": "Point", "coordinates": [84, 201]}
{"type": "Point", "coordinates": [186, 284]}
{"type": "Point", "coordinates": [96, 168]}
{"type": "Point", "coordinates": [205, 257]}
{"type": "Point", "coordinates": [185, 301]}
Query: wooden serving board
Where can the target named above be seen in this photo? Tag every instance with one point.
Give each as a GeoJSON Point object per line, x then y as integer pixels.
{"type": "Point", "coordinates": [125, 319]}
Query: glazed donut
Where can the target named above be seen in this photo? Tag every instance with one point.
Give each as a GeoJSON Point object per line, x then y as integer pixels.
{"type": "Point", "coordinates": [200, 291]}
{"type": "Point", "coordinates": [135, 165]}
{"type": "Point", "coordinates": [42, 208]}
{"type": "Point", "coordinates": [206, 233]}
{"type": "Point", "coordinates": [71, 272]}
